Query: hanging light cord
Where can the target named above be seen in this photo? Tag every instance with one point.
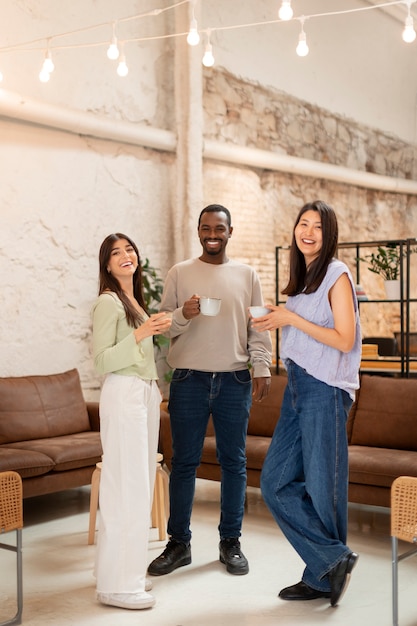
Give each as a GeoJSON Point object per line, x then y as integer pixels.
{"type": "Point", "coordinates": [29, 45]}
{"type": "Point", "coordinates": [35, 44]}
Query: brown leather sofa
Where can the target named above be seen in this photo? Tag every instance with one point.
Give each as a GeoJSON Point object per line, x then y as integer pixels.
{"type": "Point", "coordinates": [382, 432]}
{"type": "Point", "coordinates": [48, 433]}
{"type": "Point", "coordinates": [382, 435]}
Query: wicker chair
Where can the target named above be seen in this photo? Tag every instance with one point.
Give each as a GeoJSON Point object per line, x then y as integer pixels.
{"type": "Point", "coordinates": [403, 527]}
{"type": "Point", "coordinates": [11, 518]}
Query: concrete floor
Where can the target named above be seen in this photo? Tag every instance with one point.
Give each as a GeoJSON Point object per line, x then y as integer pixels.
{"type": "Point", "coordinates": [59, 586]}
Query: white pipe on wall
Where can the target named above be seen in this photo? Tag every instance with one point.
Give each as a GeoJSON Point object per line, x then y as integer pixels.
{"type": "Point", "coordinates": [14, 106]}
{"type": "Point", "coordinates": [264, 159]}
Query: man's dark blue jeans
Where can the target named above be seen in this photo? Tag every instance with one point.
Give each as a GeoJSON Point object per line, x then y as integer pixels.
{"type": "Point", "coordinates": [194, 395]}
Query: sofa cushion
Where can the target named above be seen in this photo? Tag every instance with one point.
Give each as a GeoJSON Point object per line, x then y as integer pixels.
{"type": "Point", "coordinates": [67, 452]}
{"type": "Point", "coordinates": [386, 413]}
{"type": "Point", "coordinates": [26, 463]}
{"type": "Point", "coordinates": [264, 415]}
{"type": "Point", "coordinates": [34, 407]}
{"type": "Point", "coordinates": [256, 449]}
{"type": "Point", "coordinates": [380, 466]}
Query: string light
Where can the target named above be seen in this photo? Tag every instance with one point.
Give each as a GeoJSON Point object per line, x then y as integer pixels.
{"type": "Point", "coordinates": [193, 38]}
{"type": "Point", "coordinates": [48, 64]}
{"type": "Point", "coordinates": [409, 34]}
{"type": "Point", "coordinates": [113, 50]}
{"type": "Point", "coordinates": [208, 58]}
{"type": "Point", "coordinates": [285, 12]}
{"type": "Point", "coordinates": [302, 48]}
{"type": "Point", "coordinates": [122, 68]}
{"type": "Point", "coordinates": [44, 76]}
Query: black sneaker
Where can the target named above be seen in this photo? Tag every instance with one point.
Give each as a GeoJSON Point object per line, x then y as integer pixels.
{"type": "Point", "coordinates": [232, 556]}
{"type": "Point", "coordinates": [176, 554]}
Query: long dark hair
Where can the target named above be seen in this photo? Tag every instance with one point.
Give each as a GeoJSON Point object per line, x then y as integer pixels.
{"type": "Point", "coordinates": [107, 282]}
{"type": "Point", "coordinates": [309, 280]}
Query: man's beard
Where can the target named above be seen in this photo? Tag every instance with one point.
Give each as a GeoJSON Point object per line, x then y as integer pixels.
{"type": "Point", "coordinates": [210, 250]}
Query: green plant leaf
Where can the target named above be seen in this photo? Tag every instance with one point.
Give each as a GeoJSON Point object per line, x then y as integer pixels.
{"type": "Point", "coordinates": [152, 286]}
{"type": "Point", "coordinates": [386, 261]}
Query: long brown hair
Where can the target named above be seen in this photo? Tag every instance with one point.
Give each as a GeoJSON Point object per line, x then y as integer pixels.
{"type": "Point", "coordinates": [309, 280]}
{"type": "Point", "coordinates": [107, 282]}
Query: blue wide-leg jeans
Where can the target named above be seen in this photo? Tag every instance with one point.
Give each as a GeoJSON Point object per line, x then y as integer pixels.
{"type": "Point", "coordinates": [194, 395]}
{"type": "Point", "coordinates": [304, 480]}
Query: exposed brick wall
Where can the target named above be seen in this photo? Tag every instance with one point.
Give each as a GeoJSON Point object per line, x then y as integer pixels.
{"type": "Point", "coordinates": [264, 204]}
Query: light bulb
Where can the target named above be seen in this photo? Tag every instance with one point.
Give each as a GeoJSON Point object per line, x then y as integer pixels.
{"type": "Point", "coordinates": [193, 38]}
{"type": "Point", "coordinates": [285, 12]}
{"type": "Point", "coordinates": [122, 68]}
{"type": "Point", "coordinates": [48, 64]}
{"type": "Point", "coordinates": [409, 34]}
{"type": "Point", "coordinates": [113, 50]}
{"type": "Point", "coordinates": [44, 76]}
{"type": "Point", "coordinates": [208, 58]}
{"type": "Point", "coordinates": [302, 48]}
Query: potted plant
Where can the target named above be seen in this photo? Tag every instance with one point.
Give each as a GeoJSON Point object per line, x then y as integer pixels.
{"type": "Point", "coordinates": [152, 291]}
{"type": "Point", "coordinates": [386, 262]}
{"type": "Point", "coordinates": [152, 286]}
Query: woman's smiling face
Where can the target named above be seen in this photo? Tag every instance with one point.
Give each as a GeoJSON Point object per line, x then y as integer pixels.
{"type": "Point", "coordinates": [309, 236]}
{"type": "Point", "coordinates": [123, 260]}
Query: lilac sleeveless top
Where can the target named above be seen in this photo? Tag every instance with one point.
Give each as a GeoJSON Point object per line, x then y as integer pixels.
{"type": "Point", "coordinates": [329, 365]}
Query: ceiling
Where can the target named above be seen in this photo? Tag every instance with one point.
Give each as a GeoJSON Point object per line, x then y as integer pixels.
{"type": "Point", "coordinates": [397, 11]}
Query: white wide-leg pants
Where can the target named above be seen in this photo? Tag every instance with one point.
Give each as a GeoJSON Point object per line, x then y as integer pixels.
{"type": "Point", "coordinates": [129, 428]}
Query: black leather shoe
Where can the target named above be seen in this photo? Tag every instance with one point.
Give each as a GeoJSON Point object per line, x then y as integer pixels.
{"type": "Point", "coordinates": [232, 556]}
{"type": "Point", "coordinates": [339, 576]}
{"type": "Point", "coordinates": [301, 591]}
{"type": "Point", "coordinates": [176, 554]}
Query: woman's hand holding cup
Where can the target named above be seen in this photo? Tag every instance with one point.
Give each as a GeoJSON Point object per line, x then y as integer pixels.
{"type": "Point", "coordinates": [156, 324]}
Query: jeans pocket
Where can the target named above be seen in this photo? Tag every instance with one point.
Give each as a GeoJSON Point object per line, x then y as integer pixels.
{"type": "Point", "coordinates": [179, 375]}
{"type": "Point", "coordinates": [242, 377]}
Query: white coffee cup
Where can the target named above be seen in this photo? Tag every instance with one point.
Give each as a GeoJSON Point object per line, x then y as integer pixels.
{"type": "Point", "coordinates": [259, 311]}
{"type": "Point", "coordinates": [210, 306]}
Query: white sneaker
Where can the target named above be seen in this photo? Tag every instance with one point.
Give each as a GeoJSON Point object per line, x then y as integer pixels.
{"type": "Point", "coordinates": [141, 600]}
{"type": "Point", "coordinates": [148, 584]}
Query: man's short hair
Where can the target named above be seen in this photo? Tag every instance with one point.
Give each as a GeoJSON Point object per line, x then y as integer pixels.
{"type": "Point", "coordinates": [216, 208]}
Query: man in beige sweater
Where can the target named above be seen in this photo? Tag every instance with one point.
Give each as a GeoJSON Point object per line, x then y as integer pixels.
{"type": "Point", "coordinates": [213, 357]}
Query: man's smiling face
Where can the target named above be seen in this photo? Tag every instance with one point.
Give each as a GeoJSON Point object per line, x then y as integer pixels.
{"type": "Point", "coordinates": [214, 233]}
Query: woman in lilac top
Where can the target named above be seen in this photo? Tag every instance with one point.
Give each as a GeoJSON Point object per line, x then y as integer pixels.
{"type": "Point", "coordinates": [305, 475]}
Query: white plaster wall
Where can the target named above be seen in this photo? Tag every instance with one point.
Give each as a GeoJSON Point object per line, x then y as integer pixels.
{"type": "Point", "coordinates": [84, 78]}
{"type": "Point", "coordinates": [61, 195]}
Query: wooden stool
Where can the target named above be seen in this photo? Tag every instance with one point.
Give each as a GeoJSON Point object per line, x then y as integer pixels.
{"type": "Point", "coordinates": [160, 503]}
{"type": "Point", "coordinates": [95, 484]}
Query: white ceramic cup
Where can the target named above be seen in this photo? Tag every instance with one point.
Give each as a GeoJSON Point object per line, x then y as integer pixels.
{"type": "Point", "coordinates": [259, 311]}
{"type": "Point", "coordinates": [210, 306]}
